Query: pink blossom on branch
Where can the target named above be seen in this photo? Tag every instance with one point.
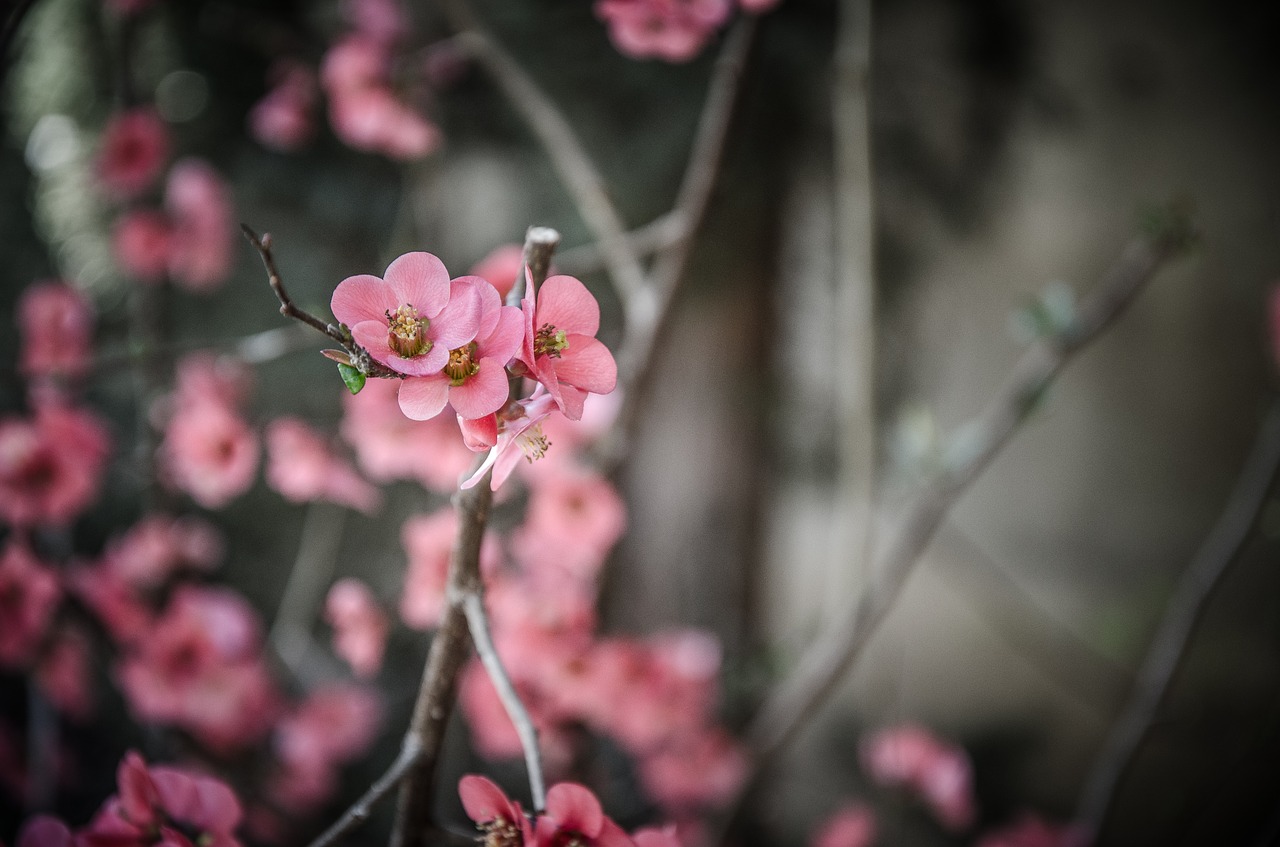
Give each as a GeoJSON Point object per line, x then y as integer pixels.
{"type": "Point", "coordinates": [50, 465]}
{"type": "Point", "coordinates": [284, 120]}
{"type": "Point", "coordinates": [938, 772]}
{"type": "Point", "coordinates": [500, 819]}
{"type": "Point", "coordinates": [672, 30]}
{"type": "Point", "coordinates": [853, 825]}
{"type": "Point", "coordinates": [29, 595]}
{"type": "Point", "coordinates": [560, 348]}
{"type": "Point", "coordinates": [474, 379]}
{"type": "Point", "coordinates": [517, 435]}
{"type": "Point", "coordinates": [574, 818]}
{"type": "Point", "coordinates": [203, 234]}
{"type": "Point", "coordinates": [412, 319]}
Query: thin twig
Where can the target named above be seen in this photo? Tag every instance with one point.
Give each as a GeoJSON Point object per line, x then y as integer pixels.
{"type": "Point", "coordinates": [581, 177]}
{"type": "Point", "coordinates": [359, 811]}
{"type": "Point", "coordinates": [657, 235]}
{"type": "Point", "coordinates": [649, 311]}
{"type": "Point", "coordinates": [321, 536]}
{"type": "Point", "coordinates": [1220, 549]}
{"type": "Point", "coordinates": [478, 622]}
{"type": "Point", "coordinates": [853, 533]}
{"type": "Point", "coordinates": [786, 711]}
{"type": "Point", "coordinates": [287, 306]}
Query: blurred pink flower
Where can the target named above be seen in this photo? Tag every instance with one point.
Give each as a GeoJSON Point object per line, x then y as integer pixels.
{"type": "Point", "coordinates": [853, 825]}
{"type": "Point", "coordinates": [756, 6]}
{"type": "Point", "coordinates": [284, 119]}
{"type": "Point", "coordinates": [363, 110]}
{"type": "Point", "coordinates": [389, 446]}
{"type": "Point", "coordinates": [428, 540]}
{"type": "Point", "coordinates": [699, 771]}
{"type": "Point", "coordinates": [572, 510]}
{"type": "Point", "coordinates": [359, 626]}
{"type": "Point", "coordinates": [474, 379]}
{"type": "Point", "coordinates": [50, 466]}
{"type": "Point", "coordinates": [45, 831]}
{"type": "Point", "coordinates": [141, 241]}
{"type": "Point", "coordinates": [411, 319]}
{"type": "Point", "coordinates": [560, 347]}
{"type": "Point", "coordinates": [117, 604]}
{"type": "Point", "coordinates": [135, 145]}
{"type": "Point", "coordinates": [158, 546]}
{"type": "Point", "coordinates": [335, 723]}
{"type": "Point", "coordinates": [672, 30]}
{"type": "Point", "coordinates": [29, 595]}
{"type": "Point", "coordinates": [202, 218]}
{"type": "Point", "coordinates": [654, 837]}
{"type": "Point", "coordinates": [55, 323]}
{"type": "Point", "coordinates": [210, 453]}
{"type": "Point", "coordinates": [1030, 830]}
{"type": "Point", "coordinates": [501, 267]}
{"type": "Point", "coordinates": [938, 772]}
{"type": "Point", "coordinates": [165, 804]}
{"type": "Point", "coordinates": [302, 466]}
{"type": "Point", "coordinates": [384, 21]}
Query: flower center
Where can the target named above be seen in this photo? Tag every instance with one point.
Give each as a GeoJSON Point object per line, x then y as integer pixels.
{"type": "Point", "coordinates": [407, 333]}
{"type": "Point", "coordinates": [461, 364]}
{"type": "Point", "coordinates": [549, 341]}
{"type": "Point", "coordinates": [500, 833]}
{"type": "Point", "coordinates": [533, 443]}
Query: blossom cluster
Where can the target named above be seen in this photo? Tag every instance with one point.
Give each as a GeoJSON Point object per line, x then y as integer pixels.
{"type": "Point", "coordinates": [671, 30]}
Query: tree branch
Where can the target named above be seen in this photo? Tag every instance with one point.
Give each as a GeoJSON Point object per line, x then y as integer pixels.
{"type": "Point", "coordinates": [1215, 556]}
{"type": "Point", "coordinates": [795, 701]}
{"type": "Point", "coordinates": [287, 306]}
{"type": "Point", "coordinates": [362, 808]}
{"type": "Point", "coordinates": [581, 177]}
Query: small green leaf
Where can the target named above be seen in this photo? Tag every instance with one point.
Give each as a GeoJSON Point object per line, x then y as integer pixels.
{"type": "Point", "coordinates": [352, 378]}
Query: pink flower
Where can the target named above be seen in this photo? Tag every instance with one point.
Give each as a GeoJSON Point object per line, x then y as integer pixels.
{"type": "Point", "coordinates": [1031, 831]}
{"type": "Point", "coordinates": [335, 723]}
{"type": "Point", "coordinates": [384, 21]}
{"type": "Point", "coordinates": [428, 540]}
{"type": "Point", "coordinates": [560, 348]}
{"type": "Point", "coordinates": [45, 831]}
{"type": "Point", "coordinates": [573, 518]}
{"type": "Point", "coordinates": [135, 145]}
{"type": "Point", "coordinates": [363, 111]}
{"type": "Point", "coordinates": [412, 319]}
{"type": "Point", "coordinates": [284, 120]}
{"type": "Point", "coordinates": [654, 837]}
{"type": "Point", "coordinates": [359, 626]}
{"type": "Point", "coordinates": [118, 605]}
{"type": "Point", "coordinates": [520, 437]}
{"type": "Point", "coordinates": [757, 6]}
{"type": "Point", "coordinates": [51, 466]}
{"type": "Point", "coordinates": [162, 804]}
{"type": "Point", "coordinates": [474, 379]}
{"type": "Point", "coordinates": [499, 818]}
{"type": "Point", "coordinates": [502, 267]}
{"type": "Point", "coordinates": [673, 30]}
{"type": "Point", "coordinates": [302, 466]}
{"type": "Point", "coordinates": [700, 771]}
{"type": "Point", "coordinates": [574, 818]}
{"type": "Point", "coordinates": [29, 594]}
{"type": "Point", "coordinates": [939, 773]}
{"type": "Point", "coordinates": [853, 825]}
{"type": "Point", "coordinates": [389, 446]}
{"type": "Point", "coordinates": [140, 242]}
{"type": "Point", "coordinates": [202, 235]}
{"type": "Point", "coordinates": [209, 452]}
{"type": "Point", "coordinates": [56, 325]}
{"type": "Point", "coordinates": [158, 546]}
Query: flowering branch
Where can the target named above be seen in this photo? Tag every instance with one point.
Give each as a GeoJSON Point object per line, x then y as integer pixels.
{"type": "Point", "coordinates": [786, 711]}
{"type": "Point", "coordinates": [287, 306]}
{"type": "Point", "coordinates": [581, 177]}
{"type": "Point", "coordinates": [359, 811]}
{"type": "Point", "coordinates": [478, 623]}
{"type": "Point", "coordinates": [1219, 550]}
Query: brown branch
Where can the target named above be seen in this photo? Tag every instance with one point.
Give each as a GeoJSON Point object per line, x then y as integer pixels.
{"type": "Point", "coordinates": [581, 177]}
{"type": "Point", "coordinates": [287, 306]}
{"type": "Point", "coordinates": [359, 812]}
{"type": "Point", "coordinates": [540, 243]}
{"type": "Point", "coordinates": [649, 311]}
{"type": "Point", "coordinates": [657, 235]}
{"type": "Point", "coordinates": [478, 623]}
{"type": "Point", "coordinates": [1220, 549]}
{"type": "Point", "coordinates": [825, 663]}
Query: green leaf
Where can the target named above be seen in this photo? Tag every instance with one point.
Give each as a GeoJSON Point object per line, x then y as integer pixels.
{"type": "Point", "coordinates": [352, 378]}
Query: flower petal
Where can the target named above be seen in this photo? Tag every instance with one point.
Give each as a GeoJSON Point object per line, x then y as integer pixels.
{"type": "Point", "coordinates": [457, 322]}
{"type": "Point", "coordinates": [372, 336]}
{"type": "Point", "coordinates": [573, 807]}
{"type": "Point", "coordinates": [483, 800]}
{"type": "Point", "coordinates": [589, 365]}
{"type": "Point", "coordinates": [362, 298]}
{"type": "Point", "coordinates": [422, 398]}
{"type": "Point", "coordinates": [565, 303]}
{"type": "Point", "coordinates": [423, 364]}
{"type": "Point", "coordinates": [419, 279]}
{"type": "Point", "coordinates": [490, 303]}
{"type": "Point", "coordinates": [479, 434]}
{"type": "Point", "coordinates": [484, 393]}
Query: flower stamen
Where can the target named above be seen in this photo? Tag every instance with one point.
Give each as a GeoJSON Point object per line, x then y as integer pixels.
{"type": "Point", "coordinates": [462, 364]}
{"type": "Point", "coordinates": [407, 333]}
{"type": "Point", "coordinates": [549, 341]}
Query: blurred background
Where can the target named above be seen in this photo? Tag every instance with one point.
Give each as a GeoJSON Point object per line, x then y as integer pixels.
{"type": "Point", "coordinates": [1014, 145]}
